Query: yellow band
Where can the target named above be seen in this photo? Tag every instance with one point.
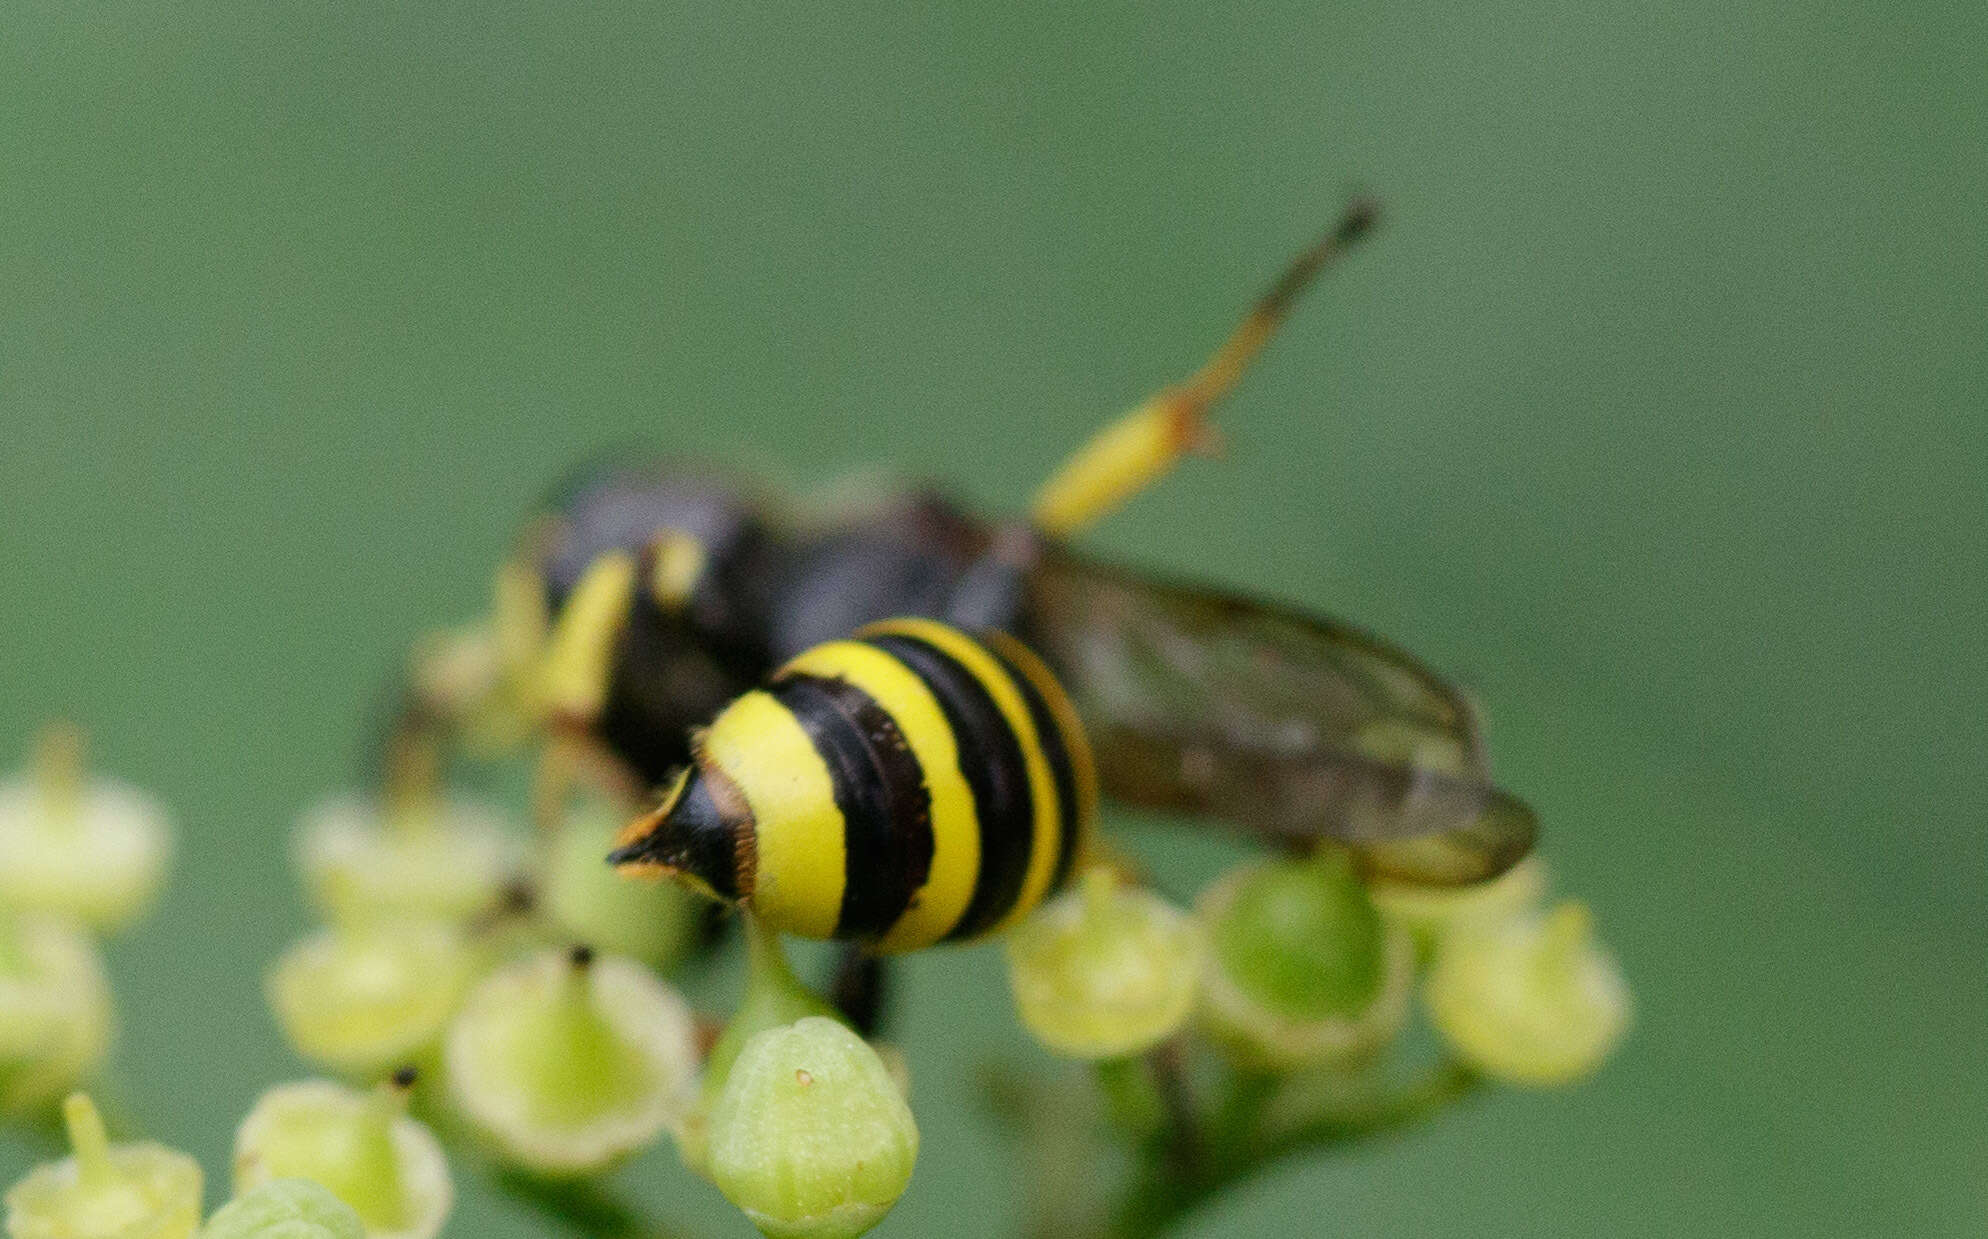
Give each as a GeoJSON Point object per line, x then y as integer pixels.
{"type": "Point", "coordinates": [1015, 711]}
{"type": "Point", "coordinates": [937, 906]}
{"type": "Point", "coordinates": [797, 829]}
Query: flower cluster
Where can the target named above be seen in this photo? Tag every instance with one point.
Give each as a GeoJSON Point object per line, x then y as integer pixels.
{"type": "Point", "coordinates": [519, 986]}
{"type": "Point", "coordinates": [1294, 965]}
{"type": "Point", "coordinates": [514, 996]}
{"type": "Point", "coordinates": [527, 984]}
{"type": "Point", "coordinates": [1271, 1018]}
{"type": "Point", "coordinates": [143, 1190]}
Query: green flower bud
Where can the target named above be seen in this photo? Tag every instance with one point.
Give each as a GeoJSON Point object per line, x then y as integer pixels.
{"type": "Point", "coordinates": [655, 922]}
{"type": "Point", "coordinates": [811, 1136]}
{"type": "Point", "coordinates": [420, 859]}
{"type": "Point", "coordinates": [55, 1013]}
{"type": "Point", "coordinates": [1104, 971]}
{"type": "Point", "coordinates": [1534, 1001]}
{"type": "Point", "coordinates": [774, 997]}
{"type": "Point", "coordinates": [1305, 972]}
{"type": "Point", "coordinates": [362, 1146]}
{"type": "Point", "coordinates": [1430, 912]}
{"type": "Point", "coordinates": [106, 1191]}
{"type": "Point", "coordinates": [286, 1209]}
{"type": "Point", "coordinates": [570, 1063]}
{"type": "Point", "coordinates": [361, 998]}
{"type": "Point", "coordinates": [91, 850]}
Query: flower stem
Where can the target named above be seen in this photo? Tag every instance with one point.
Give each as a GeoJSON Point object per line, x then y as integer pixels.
{"type": "Point", "coordinates": [88, 1140]}
{"type": "Point", "coordinates": [1185, 1142]}
{"type": "Point", "coordinates": [1160, 1196]}
{"type": "Point", "coordinates": [59, 770]}
{"type": "Point", "coordinates": [413, 782]}
{"type": "Point", "coordinates": [585, 1207]}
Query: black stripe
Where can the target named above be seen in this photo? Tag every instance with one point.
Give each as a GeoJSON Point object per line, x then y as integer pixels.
{"type": "Point", "coordinates": [710, 842]}
{"type": "Point", "coordinates": [1056, 750]}
{"type": "Point", "coordinates": [991, 762]}
{"type": "Point", "coordinates": [886, 810]}
{"type": "Point", "coordinates": [694, 837]}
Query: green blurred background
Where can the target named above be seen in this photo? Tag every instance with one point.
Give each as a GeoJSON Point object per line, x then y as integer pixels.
{"type": "Point", "coordinates": [1658, 415]}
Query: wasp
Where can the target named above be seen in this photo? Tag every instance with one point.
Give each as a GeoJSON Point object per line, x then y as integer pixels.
{"type": "Point", "coordinates": [904, 786]}
{"type": "Point", "coordinates": [892, 726]}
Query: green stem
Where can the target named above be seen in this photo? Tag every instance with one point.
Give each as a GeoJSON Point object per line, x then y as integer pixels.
{"type": "Point", "coordinates": [1131, 1102]}
{"type": "Point", "coordinates": [1183, 1151]}
{"type": "Point", "coordinates": [583, 1206]}
{"type": "Point", "coordinates": [88, 1141]}
{"type": "Point", "coordinates": [1149, 1098]}
{"type": "Point", "coordinates": [1160, 1196]}
{"type": "Point", "coordinates": [59, 770]}
{"type": "Point", "coordinates": [1250, 1092]}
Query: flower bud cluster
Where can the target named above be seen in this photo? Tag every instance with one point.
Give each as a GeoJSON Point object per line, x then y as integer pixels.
{"type": "Point", "coordinates": [1297, 977]}
{"type": "Point", "coordinates": [313, 1160]}
{"type": "Point", "coordinates": [526, 979]}
{"type": "Point", "coordinates": [450, 944]}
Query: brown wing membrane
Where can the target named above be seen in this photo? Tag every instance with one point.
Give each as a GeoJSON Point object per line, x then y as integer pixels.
{"type": "Point", "coordinates": [1288, 725]}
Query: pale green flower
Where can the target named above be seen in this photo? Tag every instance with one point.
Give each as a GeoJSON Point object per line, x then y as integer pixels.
{"type": "Point", "coordinates": [570, 1063]}
{"type": "Point", "coordinates": [360, 1145]}
{"type": "Point", "coordinates": [427, 859]}
{"type": "Point", "coordinates": [583, 895]}
{"type": "Point", "coordinates": [55, 1012]}
{"type": "Point", "coordinates": [363, 997]}
{"type": "Point", "coordinates": [1104, 971]}
{"type": "Point", "coordinates": [106, 1191]}
{"type": "Point", "coordinates": [1535, 1000]}
{"type": "Point", "coordinates": [285, 1209]}
{"type": "Point", "coordinates": [92, 850]}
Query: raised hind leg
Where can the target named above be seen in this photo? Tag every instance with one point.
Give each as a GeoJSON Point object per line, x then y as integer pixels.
{"type": "Point", "coordinates": [1142, 446]}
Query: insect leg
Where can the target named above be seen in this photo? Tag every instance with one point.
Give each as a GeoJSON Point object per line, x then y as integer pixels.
{"type": "Point", "coordinates": [579, 654]}
{"type": "Point", "coordinates": [1142, 446]}
{"type": "Point", "coordinates": [860, 989]}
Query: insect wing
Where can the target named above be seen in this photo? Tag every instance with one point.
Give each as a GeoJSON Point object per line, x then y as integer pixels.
{"type": "Point", "coordinates": [1285, 724]}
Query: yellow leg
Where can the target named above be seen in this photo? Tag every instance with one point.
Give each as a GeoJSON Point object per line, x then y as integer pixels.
{"type": "Point", "coordinates": [1143, 446]}
{"type": "Point", "coordinates": [579, 654]}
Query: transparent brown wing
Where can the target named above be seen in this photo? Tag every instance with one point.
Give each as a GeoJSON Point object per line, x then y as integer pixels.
{"type": "Point", "coordinates": [1284, 724]}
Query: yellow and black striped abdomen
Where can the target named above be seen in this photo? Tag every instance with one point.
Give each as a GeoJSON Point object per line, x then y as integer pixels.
{"type": "Point", "coordinates": [903, 787]}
